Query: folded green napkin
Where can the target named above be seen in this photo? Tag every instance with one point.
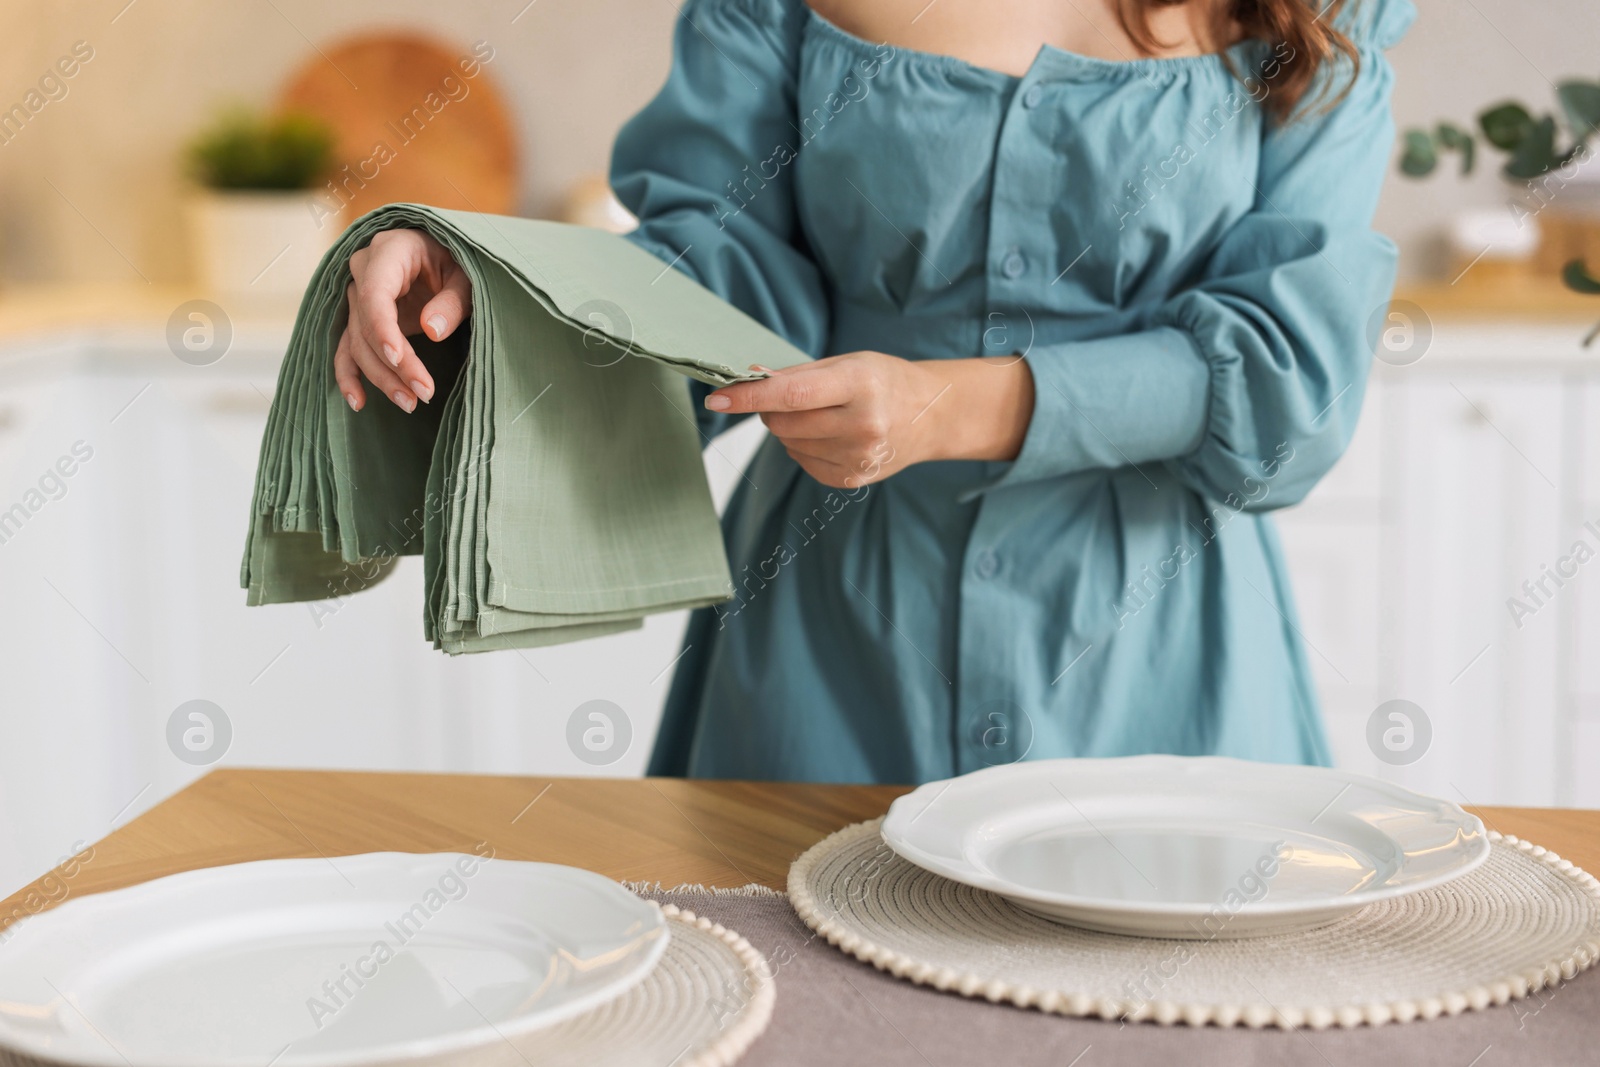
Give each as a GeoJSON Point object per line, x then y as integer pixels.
{"type": "Point", "coordinates": [554, 486]}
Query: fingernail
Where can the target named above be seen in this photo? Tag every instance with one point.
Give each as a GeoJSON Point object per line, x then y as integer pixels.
{"type": "Point", "coordinates": [392, 354]}
{"type": "Point", "coordinates": [406, 402]}
{"type": "Point", "coordinates": [717, 402]}
{"type": "Point", "coordinates": [350, 398]}
{"type": "Point", "coordinates": [437, 322]}
{"type": "Point", "coordinates": [762, 369]}
{"type": "Point", "coordinates": [421, 390]}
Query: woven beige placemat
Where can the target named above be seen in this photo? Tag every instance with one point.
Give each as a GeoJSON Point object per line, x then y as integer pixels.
{"type": "Point", "coordinates": [708, 998]}
{"type": "Point", "coordinates": [1522, 921]}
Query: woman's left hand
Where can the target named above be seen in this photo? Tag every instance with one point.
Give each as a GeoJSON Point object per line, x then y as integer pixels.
{"type": "Point", "coordinates": [855, 419]}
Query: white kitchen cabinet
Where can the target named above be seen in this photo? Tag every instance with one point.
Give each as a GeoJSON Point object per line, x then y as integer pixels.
{"type": "Point", "coordinates": [1583, 644]}
{"type": "Point", "coordinates": [1466, 478]}
{"type": "Point", "coordinates": [1588, 458]}
{"type": "Point", "coordinates": [1585, 759]}
{"type": "Point", "coordinates": [1586, 645]}
{"type": "Point", "coordinates": [22, 408]}
{"type": "Point", "coordinates": [1478, 510]}
{"type": "Point", "coordinates": [1338, 592]}
{"type": "Point", "coordinates": [123, 602]}
{"type": "Point", "coordinates": [1335, 537]}
{"type": "Point", "coordinates": [1335, 562]}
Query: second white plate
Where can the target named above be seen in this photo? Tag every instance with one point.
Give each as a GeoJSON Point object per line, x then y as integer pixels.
{"type": "Point", "coordinates": [353, 961]}
{"type": "Point", "coordinates": [1187, 847]}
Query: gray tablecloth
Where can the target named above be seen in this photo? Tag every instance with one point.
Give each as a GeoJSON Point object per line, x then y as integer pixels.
{"type": "Point", "coordinates": [833, 1009]}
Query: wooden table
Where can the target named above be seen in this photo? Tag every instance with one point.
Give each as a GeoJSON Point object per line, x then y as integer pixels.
{"type": "Point", "coordinates": [655, 829]}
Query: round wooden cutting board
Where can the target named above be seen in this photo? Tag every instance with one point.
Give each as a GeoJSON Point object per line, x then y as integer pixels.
{"type": "Point", "coordinates": [415, 119]}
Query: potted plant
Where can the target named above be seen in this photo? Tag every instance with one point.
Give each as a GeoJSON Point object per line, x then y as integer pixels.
{"type": "Point", "coordinates": [256, 234]}
{"type": "Point", "coordinates": [1535, 158]}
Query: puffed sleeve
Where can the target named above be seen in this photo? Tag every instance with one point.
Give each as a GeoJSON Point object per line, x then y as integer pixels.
{"type": "Point", "coordinates": [1255, 374]}
{"type": "Point", "coordinates": [708, 167]}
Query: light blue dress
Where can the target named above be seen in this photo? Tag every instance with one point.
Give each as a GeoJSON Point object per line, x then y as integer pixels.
{"type": "Point", "coordinates": [1192, 288]}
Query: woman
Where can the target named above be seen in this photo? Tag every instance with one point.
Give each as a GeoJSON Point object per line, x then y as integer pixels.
{"type": "Point", "coordinates": [1094, 282]}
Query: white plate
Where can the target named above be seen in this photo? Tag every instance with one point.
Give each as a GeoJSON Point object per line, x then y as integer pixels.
{"type": "Point", "coordinates": [1189, 847]}
{"type": "Point", "coordinates": [357, 960]}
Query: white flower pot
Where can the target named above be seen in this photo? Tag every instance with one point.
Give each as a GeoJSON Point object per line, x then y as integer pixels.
{"type": "Point", "coordinates": [258, 246]}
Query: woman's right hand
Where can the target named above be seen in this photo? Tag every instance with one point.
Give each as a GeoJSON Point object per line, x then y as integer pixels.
{"type": "Point", "coordinates": [404, 283]}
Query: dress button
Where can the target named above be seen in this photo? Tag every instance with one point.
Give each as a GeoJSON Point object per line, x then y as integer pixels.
{"type": "Point", "coordinates": [1014, 264]}
{"type": "Point", "coordinates": [1034, 94]}
{"type": "Point", "coordinates": [988, 565]}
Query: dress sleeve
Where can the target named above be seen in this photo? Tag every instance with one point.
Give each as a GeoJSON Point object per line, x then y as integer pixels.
{"type": "Point", "coordinates": [708, 168]}
{"type": "Point", "coordinates": [1248, 384]}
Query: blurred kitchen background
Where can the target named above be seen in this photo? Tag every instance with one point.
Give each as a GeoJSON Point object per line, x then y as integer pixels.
{"type": "Point", "coordinates": [142, 316]}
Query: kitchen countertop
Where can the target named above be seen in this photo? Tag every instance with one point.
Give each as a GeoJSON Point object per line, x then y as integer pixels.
{"type": "Point", "coordinates": [1511, 297]}
{"type": "Point", "coordinates": [1512, 325]}
{"type": "Point", "coordinates": [62, 306]}
{"type": "Point", "coordinates": [47, 331]}
{"type": "Point", "coordinates": [52, 306]}
{"type": "Point", "coordinates": [672, 831]}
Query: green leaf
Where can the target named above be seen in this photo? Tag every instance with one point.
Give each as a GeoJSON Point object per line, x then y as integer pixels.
{"type": "Point", "coordinates": [1458, 140]}
{"type": "Point", "coordinates": [244, 149]}
{"type": "Point", "coordinates": [1536, 154]}
{"type": "Point", "coordinates": [1581, 102]}
{"type": "Point", "coordinates": [1577, 278]}
{"type": "Point", "coordinates": [1418, 158]}
{"type": "Point", "coordinates": [1505, 126]}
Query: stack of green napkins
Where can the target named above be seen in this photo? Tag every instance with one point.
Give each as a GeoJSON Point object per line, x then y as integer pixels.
{"type": "Point", "coordinates": [554, 486]}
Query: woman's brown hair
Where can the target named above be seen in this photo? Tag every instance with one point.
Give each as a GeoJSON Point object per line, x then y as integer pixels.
{"type": "Point", "coordinates": [1308, 32]}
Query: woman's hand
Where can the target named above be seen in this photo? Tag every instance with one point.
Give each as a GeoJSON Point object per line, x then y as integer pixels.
{"type": "Point", "coordinates": [404, 283]}
{"type": "Point", "coordinates": [855, 419]}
